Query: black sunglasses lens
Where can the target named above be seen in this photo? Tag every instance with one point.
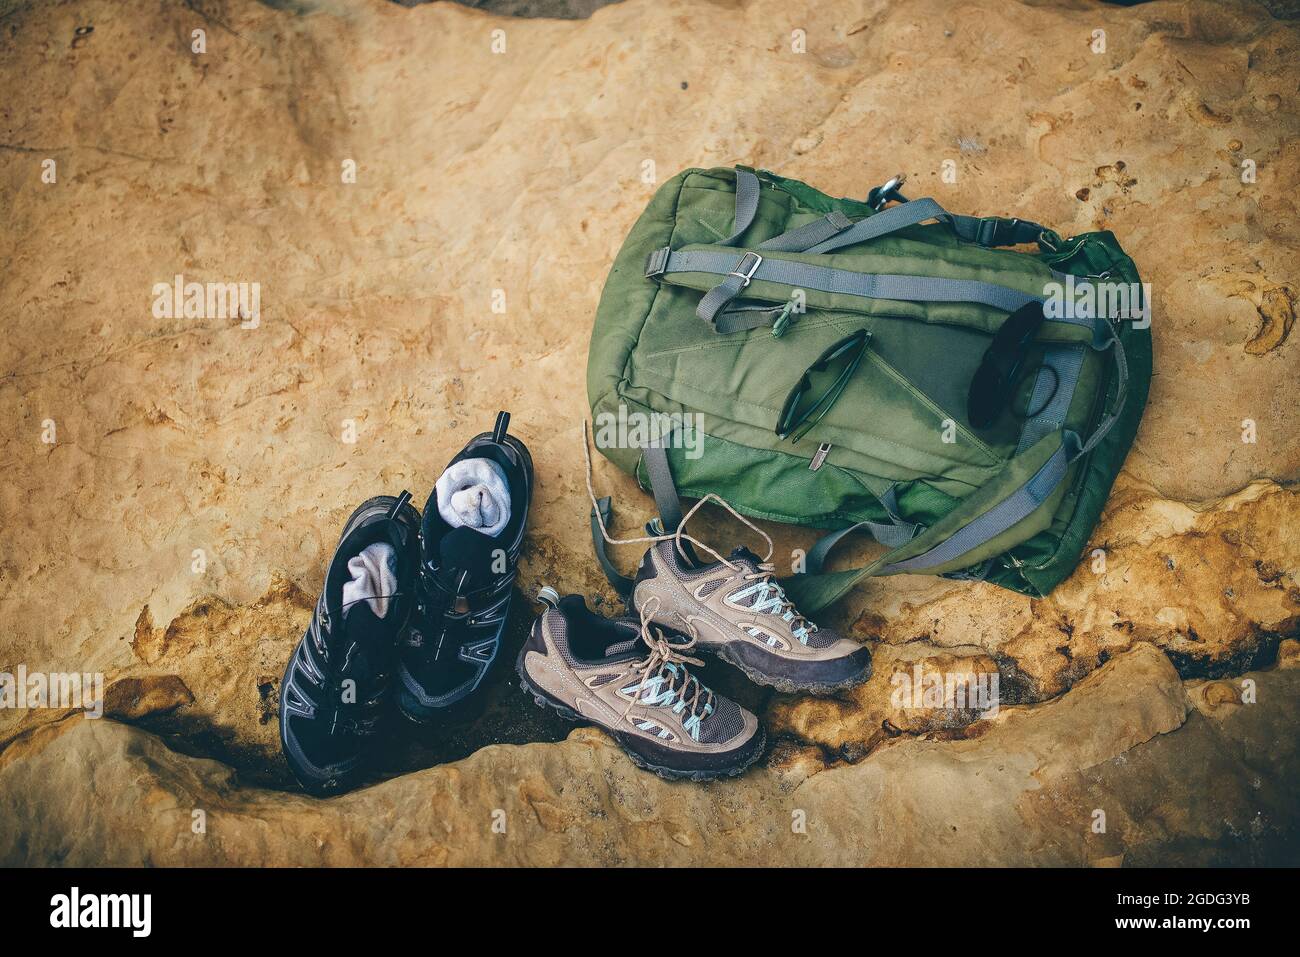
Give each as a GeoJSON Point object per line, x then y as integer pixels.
{"type": "Point", "coordinates": [994, 380]}
{"type": "Point", "coordinates": [799, 404]}
{"type": "Point", "coordinates": [986, 397]}
{"type": "Point", "coordinates": [787, 420]}
{"type": "Point", "coordinates": [1019, 329]}
{"type": "Point", "coordinates": [838, 350]}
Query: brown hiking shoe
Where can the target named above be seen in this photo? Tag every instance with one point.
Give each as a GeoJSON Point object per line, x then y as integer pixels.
{"type": "Point", "coordinates": [631, 679]}
{"type": "Point", "coordinates": [736, 609]}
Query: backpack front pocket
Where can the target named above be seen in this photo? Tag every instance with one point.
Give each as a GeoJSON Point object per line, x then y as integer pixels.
{"type": "Point", "coordinates": [881, 422]}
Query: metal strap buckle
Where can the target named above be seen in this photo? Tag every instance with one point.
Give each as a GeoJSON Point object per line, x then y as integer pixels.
{"type": "Point", "coordinates": [656, 263]}
{"type": "Point", "coordinates": [741, 272]}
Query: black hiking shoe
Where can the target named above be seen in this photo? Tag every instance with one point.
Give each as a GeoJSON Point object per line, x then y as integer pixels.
{"type": "Point", "coordinates": [336, 685]}
{"type": "Point", "coordinates": [465, 586]}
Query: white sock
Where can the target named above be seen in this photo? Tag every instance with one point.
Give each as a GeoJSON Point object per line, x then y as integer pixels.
{"type": "Point", "coordinates": [374, 578]}
{"type": "Point", "coordinates": [474, 492]}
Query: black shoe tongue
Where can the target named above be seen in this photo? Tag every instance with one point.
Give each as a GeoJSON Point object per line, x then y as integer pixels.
{"type": "Point", "coordinates": [467, 551]}
{"type": "Point", "coordinates": [355, 645]}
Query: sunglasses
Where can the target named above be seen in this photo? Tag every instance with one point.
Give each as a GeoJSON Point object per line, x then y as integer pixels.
{"type": "Point", "coordinates": [999, 373]}
{"type": "Point", "coordinates": [798, 414]}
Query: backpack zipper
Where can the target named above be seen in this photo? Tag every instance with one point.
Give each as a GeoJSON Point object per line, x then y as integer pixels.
{"type": "Point", "coordinates": [820, 458]}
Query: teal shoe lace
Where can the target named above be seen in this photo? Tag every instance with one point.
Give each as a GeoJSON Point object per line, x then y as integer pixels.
{"type": "Point", "coordinates": [663, 681]}
{"type": "Point", "coordinates": [770, 599]}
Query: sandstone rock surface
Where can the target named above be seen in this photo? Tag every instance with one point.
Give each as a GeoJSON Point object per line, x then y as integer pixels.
{"type": "Point", "coordinates": [1170, 780]}
{"type": "Point", "coordinates": [173, 486]}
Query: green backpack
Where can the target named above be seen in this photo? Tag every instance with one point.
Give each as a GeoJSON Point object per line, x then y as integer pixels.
{"type": "Point", "coordinates": [733, 283]}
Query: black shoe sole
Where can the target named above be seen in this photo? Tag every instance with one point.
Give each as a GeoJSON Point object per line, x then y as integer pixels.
{"type": "Point", "coordinates": [416, 713]}
{"type": "Point", "coordinates": [543, 700]}
{"type": "Point", "coordinates": [786, 685]}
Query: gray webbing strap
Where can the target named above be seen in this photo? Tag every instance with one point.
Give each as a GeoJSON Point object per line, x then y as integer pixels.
{"type": "Point", "coordinates": [1060, 372]}
{"type": "Point", "coordinates": [663, 487]}
{"type": "Point", "coordinates": [891, 535]}
{"type": "Point", "coordinates": [988, 525]}
{"type": "Point", "coordinates": [835, 231]}
{"type": "Point", "coordinates": [666, 500]}
{"type": "Point", "coordinates": [1106, 337]}
{"type": "Point", "coordinates": [747, 190]}
{"type": "Point", "coordinates": [750, 266]}
{"type": "Point", "coordinates": [621, 583]}
{"type": "Point", "coordinates": [740, 320]}
{"type": "Point", "coordinates": [717, 298]}
{"type": "Point", "coordinates": [987, 231]}
{"type": "Point", "coordinates": [886, 221]}
{"type": "Point", "coordinates": [736, 318]}
{"type": "Point", "coordinates": [1061, 367]}
{"type": "Point", "coordinates": [818, 231]}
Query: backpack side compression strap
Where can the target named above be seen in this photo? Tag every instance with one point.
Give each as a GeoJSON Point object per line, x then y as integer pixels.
{"type": "Point", "coordinates": [666, 500]}
{"type": "Point", "coordinates": [835, 231]}
{"type": "Point", "coordinates": [741, 271]}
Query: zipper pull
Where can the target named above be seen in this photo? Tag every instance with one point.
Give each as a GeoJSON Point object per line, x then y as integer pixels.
{"type": "Point", "coordinates": [820, 457]}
